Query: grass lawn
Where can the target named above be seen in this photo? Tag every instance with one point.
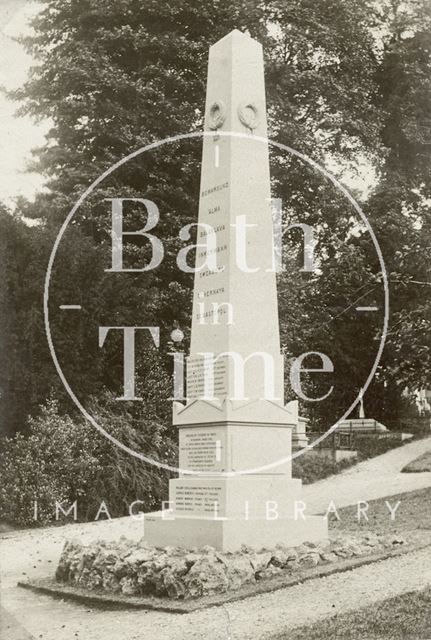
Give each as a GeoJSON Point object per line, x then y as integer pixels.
{"type": "Point", "coordinates": [405, 617]}
{"type": "Point", "coordinates": [423, 463]}
{"type": "Point", "coordinates": [312, 466]}
{"type": "Point", "coordinates": [412, 515]}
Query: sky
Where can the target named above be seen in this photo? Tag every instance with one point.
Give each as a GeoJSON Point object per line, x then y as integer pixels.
{"type": "Point", "coordinates": [18, 135]}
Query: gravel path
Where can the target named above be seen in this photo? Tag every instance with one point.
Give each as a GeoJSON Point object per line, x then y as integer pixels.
{"type": "Point", "coordinates": [35, 554]}
{"type": "Point", "coordinates": [375, 478]}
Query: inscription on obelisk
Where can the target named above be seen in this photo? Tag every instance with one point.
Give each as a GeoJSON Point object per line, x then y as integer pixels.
{"type": "Point", "coordinates": [235, 309]}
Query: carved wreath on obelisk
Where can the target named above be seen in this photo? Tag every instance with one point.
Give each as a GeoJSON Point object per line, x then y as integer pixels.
{"type": "Point", "coordinates": [248, 115]}
{"type": "Point", "coordinates": [217, 114]}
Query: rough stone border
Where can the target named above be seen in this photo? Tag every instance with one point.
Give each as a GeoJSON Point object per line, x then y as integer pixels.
{"type": "Point", "coordinates": [49, 586]}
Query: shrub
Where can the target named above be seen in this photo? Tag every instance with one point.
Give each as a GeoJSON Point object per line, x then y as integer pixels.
{"type": "Point", "coordinates": [312, 466]}
{"type": "Point", "coordinates": [66, 460]}
{"type": "Point", "coordinates": [372, 446]}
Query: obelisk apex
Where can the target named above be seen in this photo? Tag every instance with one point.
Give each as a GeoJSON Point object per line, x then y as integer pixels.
{"type": "Point", "coordinates": [235, 309]}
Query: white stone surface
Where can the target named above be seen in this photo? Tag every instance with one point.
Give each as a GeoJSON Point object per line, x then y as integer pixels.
{"type": "Point", "coordinates": [257, 410]}
{"type": "Point", "coordinates": [229, 534]}
{"type": "Point", "coordinates": [229, 447]}
{"type": "Point", "coordinates": [237, 184]}
{"type": "Point", "coordinates": [226, 427]}
{"type": "Point", "coordinates": [236, 497]}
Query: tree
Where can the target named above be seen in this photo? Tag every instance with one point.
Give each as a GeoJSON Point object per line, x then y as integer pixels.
{"type": "Point", "coordinates": [114, 76]}
{"type": "Point", "coordinates": [400, 203]}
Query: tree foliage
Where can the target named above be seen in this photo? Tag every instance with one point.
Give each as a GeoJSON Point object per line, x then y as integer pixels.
{"type": "Point", "coordinates": [347, 83]}
{"type": "Point", "coordinates": [66, 460]}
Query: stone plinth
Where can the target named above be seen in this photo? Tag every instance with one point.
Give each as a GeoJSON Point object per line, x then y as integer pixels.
{"type": "Point", "coordinates": [233, 447]}
{"type": "Point", "coordinates": [231, 534]}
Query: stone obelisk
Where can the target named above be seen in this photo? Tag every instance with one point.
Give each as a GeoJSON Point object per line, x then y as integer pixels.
{"type": "Point", "coordinates": [234, 427]}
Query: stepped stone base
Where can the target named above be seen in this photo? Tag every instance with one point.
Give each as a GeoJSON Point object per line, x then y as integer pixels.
{"type": "Point", "coordinates": [236, 497]}
{"type": "Point", "coordinates": [229, 534]}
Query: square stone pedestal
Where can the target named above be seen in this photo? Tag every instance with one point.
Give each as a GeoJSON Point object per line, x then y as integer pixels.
{"type": "Point", "coordinates": [229, 534]}
{"type": "Point", "coordinates": [225, 512]}
{"type": "Point", "coordinates": [235, 485]}
{"type": "Point", "coordinates": [236, 497]}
